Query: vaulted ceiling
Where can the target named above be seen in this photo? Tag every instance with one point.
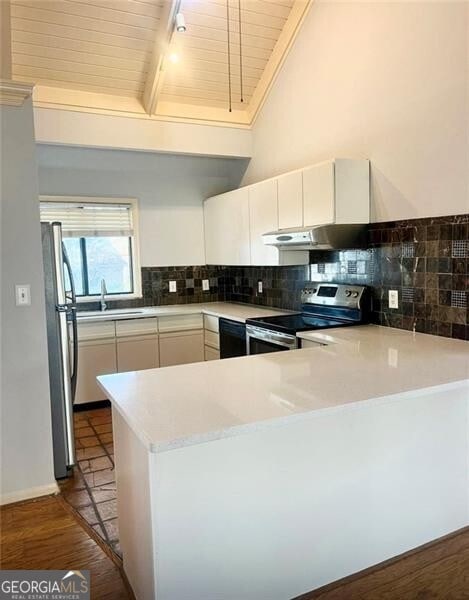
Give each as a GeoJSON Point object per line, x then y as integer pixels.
{"type": "Point", "coordinates": [126, 56]}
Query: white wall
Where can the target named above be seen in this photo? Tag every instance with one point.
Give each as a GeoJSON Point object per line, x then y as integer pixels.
{"type": "Point", "coordinates": [75, 128]}
{"type": "Point", "coordinates": [170, 190]}
{"type": "Point", "coordinates": [379, 80]}
{"type": "Point", "coordinates": [26, 435]}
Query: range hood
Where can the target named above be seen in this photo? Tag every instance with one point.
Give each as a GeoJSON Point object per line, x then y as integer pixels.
{"type": "Point", "coordinates": [320, 237]}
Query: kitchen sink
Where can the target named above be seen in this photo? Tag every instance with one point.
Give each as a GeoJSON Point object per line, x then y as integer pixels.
{"type": "Point", "coordinates": [92, 314]}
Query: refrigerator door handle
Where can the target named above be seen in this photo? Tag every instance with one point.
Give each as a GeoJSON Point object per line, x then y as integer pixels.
{"type": "Point", "coordinates": [73, 379]}
{"type": "Point", "coordinates": [73, 319]}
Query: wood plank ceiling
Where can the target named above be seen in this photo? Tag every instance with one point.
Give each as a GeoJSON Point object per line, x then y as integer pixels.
{"type": "Point", "coordinates": [105, 49]}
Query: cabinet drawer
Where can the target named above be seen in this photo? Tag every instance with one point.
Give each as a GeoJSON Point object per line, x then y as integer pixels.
{"type": "Point", "coordinates": [133, 327]}
{"type": "Point", "coordinates": [180, 323]}
{"type": "Point", "coordinates": [211, 323]}
{"type": "Point", "coordinates": [212, 339]}
{"type": "Point", "coordinates": [96, 330]}
{"type": "Point", "coordinates": [211, 353]}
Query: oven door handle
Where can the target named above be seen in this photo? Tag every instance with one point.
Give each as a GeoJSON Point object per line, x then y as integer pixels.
{"type": "Point", "coordinates": [282, 340]}
{"type": "Point", "coordinates": [277, 338]}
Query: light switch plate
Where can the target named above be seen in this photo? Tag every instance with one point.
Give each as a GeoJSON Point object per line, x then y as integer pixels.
{"type": "Point", "coordinates": [23, 294]}
{"type": "Point", "coordinates": [393, 299]}
{"type": "Point", "coordinates": [393, 357]}
{"type": "Point", "coordinates": [205, 285]}
{"type": "Point", "coordinates": [260, 287]}
{"type": "Point", "coordinates": [172, 286]}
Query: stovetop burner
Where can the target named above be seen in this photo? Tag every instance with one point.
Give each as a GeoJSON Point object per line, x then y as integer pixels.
{"type": "Point", "coordinates": [324, 305]}
{"type": "Point", "coordinates": [292, 324]}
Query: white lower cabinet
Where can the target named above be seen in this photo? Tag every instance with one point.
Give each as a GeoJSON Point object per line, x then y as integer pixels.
{"type": "Point", "coordinates": [106, 347]}
{"type": "Point", "coordinates": [137, 354]}
{"type": "Point", "coordinates": [137, 344]}
{"type": "Point", "coordinates": [95, 357]}
{"type": "Point", "coordinates": [211, 337]}
{"type": "Point", "coordinates": [211, 353]}
{"type": "Point", "coordinates": [178, 348]}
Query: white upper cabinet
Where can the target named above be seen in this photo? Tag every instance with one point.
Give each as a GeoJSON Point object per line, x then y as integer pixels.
{"type": "Point", "coordinates": [290, 200]}
{"type": "Point", "coordinates": [263, 218]}
{"type": "Point", "coordinates": [336, 191]}
{"type": "Point", "coordinates": [318, 194]}
{"type": "Point", "coordinates": [227, 238]}
{"type": "Point", "coordinates": [352, 191]}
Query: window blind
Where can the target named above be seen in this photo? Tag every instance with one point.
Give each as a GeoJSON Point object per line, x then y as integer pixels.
{"type": "Point", "coordinates": [89, 219]}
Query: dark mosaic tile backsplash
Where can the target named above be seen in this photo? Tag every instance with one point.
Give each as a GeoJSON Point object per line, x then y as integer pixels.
{"type": "Point", "coordinates": [425, 260]}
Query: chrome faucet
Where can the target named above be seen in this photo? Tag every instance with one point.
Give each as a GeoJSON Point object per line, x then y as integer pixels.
{"type": "Point", "coordinates": [103, 294]}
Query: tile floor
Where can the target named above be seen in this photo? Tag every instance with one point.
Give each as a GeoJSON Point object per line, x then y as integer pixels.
{"type": "Point", "coordinates": [92, 489]}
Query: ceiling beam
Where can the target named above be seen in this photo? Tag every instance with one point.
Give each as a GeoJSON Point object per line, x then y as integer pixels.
{"type": "Point", "coordinates": [164, 34]}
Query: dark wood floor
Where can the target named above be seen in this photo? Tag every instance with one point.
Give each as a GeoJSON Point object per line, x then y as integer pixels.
{"type": "Point", "coordinates": [439, 571]}
{"type": "Point", "coordinates": [44, 534]}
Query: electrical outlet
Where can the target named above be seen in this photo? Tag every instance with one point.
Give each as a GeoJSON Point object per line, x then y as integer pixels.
{"type": "Point", "coordinates": [205, 285]}
{"type": "Point", "coordinates": [393, 299]}
{"type": "Point", "coordinates": [172, 286]}
{"type": "Point", "coordinates": [23, 294]}
{"type": "Point", "coordinates": [260, 287]}
{"type": "Point", "coordinates": [393, 358]}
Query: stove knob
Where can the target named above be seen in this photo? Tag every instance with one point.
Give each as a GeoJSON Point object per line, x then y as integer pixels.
{"type": "Point", "coordinates": [348, 293]}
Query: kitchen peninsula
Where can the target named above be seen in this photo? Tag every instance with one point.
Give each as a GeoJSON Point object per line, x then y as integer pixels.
{"type": "Point", "coordinates": [266, 476]}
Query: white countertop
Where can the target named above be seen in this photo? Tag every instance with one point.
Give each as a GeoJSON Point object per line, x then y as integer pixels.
{"type": "Point", "coordinates": [190, 404]}
{"type": "Point", "coordinates": [228, 310]}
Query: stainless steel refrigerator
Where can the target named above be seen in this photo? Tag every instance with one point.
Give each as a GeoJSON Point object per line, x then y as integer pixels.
{"type": "Point", "coordinates": [62, 344]}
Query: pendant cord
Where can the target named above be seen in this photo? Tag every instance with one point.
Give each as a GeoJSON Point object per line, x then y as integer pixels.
{"type": "Point", "coordinates": [229, 50]}
{"type": "Point", "coordinates": [240, 52]}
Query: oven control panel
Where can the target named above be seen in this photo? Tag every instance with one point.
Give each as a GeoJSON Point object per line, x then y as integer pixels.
{"type": "Point", "coordinates": [333, 294]}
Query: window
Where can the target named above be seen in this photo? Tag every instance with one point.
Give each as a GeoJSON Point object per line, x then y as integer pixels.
{"type": "Point", "coordinates": [100, 239]}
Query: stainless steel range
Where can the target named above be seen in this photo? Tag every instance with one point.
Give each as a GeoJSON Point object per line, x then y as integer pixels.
{"type": "Point", "coordinates": [323, 306]}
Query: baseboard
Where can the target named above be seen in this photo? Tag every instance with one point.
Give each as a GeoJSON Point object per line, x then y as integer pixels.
{"type": "Point", "coordinates": [91, 405]}
{"type": "Point", "coordinates": [35, 492]}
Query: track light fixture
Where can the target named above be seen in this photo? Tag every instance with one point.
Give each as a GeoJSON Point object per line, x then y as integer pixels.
{"type": "Point", "coordinates": [180, 22]}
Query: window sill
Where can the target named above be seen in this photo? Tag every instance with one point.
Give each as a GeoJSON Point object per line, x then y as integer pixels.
{"type": "Point", "coordinates": [109, 297]}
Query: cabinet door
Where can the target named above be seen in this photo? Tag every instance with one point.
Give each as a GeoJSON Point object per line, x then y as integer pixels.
{"type": "Point", "coordinates": [176, 349]}
{"type": "Point", "coordinates": [211, 353]}
{"type": "Point", "coordinates": [94, 359]}
{"type": "Point", "coordinates": [138, 353]}
{"type": "Point", "coordinates": [226, 219]}
{"type": "Point", "coordinates": [290, 200]}
{"type": "Point", "coordinates": [319, 194]}
{"type": "Point", "coordinates": [263, 217]}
